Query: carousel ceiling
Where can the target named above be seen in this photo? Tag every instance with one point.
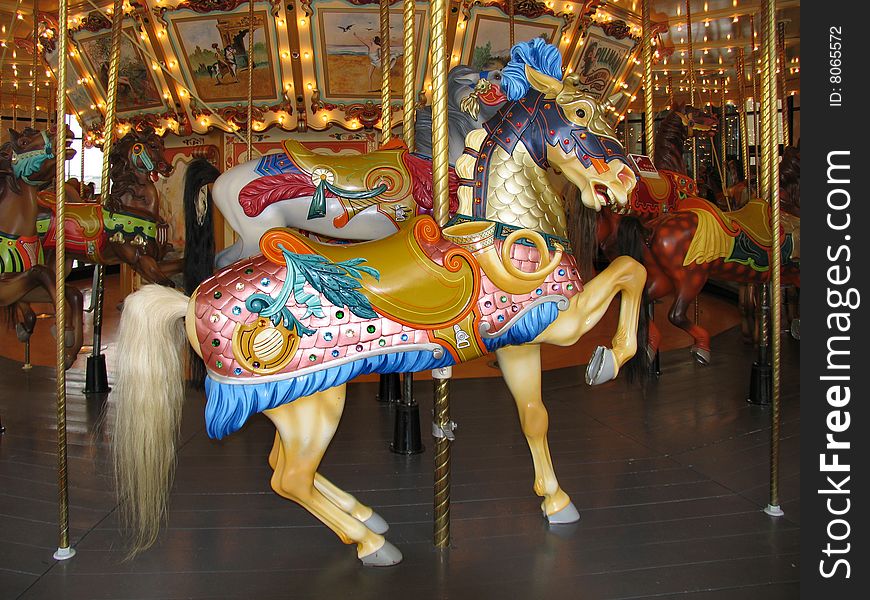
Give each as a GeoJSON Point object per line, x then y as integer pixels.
{"type": "Point", "coordinates": [314, 64]}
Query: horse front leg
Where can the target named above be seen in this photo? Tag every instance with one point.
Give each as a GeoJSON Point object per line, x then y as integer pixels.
{"type": "Point", "coordinates": [305, 428]}
{"type": "Point", "coordinates": [623, 276]}
{"type": "Point", "coordinates": [521, 368]}
{"type": "Point", "coordinates": [690, 282]}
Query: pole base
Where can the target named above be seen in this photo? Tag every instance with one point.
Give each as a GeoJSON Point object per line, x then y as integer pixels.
{"type": "Point", "coordinates": [390, 388]}
{"type": "Point", "coordinates": [774, 510]}
{"type": "Point", "coordinates": [406, 431]}
{"type": "Point", "coordinates": [761, 384]}
{"type": "Point", "coordinates": [96, 380]}
{"type": "Point", "coordinates": [64, 553]}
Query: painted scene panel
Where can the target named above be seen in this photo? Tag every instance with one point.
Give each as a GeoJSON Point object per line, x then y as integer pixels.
{"type": "Point", "coordinates": [216, 52]}
{"type": "Point", "coordinates": [350, 42]}
{"type": "Point", "coordinates": [490, 45]}
{"type": "Point", "coordinates": [137, 89]}
{"type": "Point", "coordinates": [602, 61]}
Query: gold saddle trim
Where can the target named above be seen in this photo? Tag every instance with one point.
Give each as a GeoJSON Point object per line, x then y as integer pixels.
{"type": "Point", "coordinates": [413, 289]}
{"type": "Point", "coordinates": [753, 218]}
{"type": "Point", "coordinates": [358, 172]}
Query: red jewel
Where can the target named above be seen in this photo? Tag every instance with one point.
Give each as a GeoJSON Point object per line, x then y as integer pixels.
{"type": "Point", "coordinates": [585, 157]}
{"type": "Point", "coordinates": [507, 140]}
{"type": "Point", "coordinates": [499, 130]}
{"type": "Point", "coordinates": [519, 124]}
{"type": "Point", "coordinates": [510, 114]}
{"type": "Point", "coordinates": [547, 105]}
{"type": "Point", "coordinates": [552, 132]}
{"type": "Point", "coordinates": [567, 141]}
{"type": "Point", "coordinates": [477, 183]}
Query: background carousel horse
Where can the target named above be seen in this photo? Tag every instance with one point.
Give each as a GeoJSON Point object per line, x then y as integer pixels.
{"type": "Point", "coordinates": [281, 333]}
{"type": "Point", "coordinates": [349, 198]}
{"type": "Point", "coordinates": [128, 228]}
{"type": "Point", "coordinates": [27, 164]}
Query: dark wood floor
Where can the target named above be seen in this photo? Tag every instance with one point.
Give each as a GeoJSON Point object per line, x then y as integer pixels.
{"type": "Point", "coordinates": [670, 483]}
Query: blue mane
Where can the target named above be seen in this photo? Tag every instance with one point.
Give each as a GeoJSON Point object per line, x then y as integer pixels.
{"type": "Point", "coordinates": [540, 56]}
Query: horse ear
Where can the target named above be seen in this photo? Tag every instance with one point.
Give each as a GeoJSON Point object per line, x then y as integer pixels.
{"type": "Point", "coordinates": [543, 83]}
{"type": "Point", "coordinates": [14, 135]}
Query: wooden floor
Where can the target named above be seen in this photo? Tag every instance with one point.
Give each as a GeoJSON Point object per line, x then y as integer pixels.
{"type": "Point", "coordinates": [670, 482]}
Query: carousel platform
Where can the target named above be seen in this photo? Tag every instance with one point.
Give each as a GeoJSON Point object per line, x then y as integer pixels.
{"type": "Point", "coordinates": [670, 480]}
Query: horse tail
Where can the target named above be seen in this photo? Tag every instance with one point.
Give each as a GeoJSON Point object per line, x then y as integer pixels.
{"type": "Point", "coordinates": [148, 396]}
{"type": "Point", "coordinates": [630, 241]}
{"type": "Point", "coordinates": [198, 223]}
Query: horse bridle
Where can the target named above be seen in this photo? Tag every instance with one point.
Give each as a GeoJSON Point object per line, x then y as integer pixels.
{"type": "Point", "coordinates": [27, 163]}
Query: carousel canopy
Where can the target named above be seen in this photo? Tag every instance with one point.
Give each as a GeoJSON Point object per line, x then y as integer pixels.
{"type": "Point", "coordinates": [314, 64]}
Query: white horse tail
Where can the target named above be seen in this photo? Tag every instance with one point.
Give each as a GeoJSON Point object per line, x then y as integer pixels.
{"type": "Point", "coordinates": [148, 396]}
{"type": "Point", "coordinates": [198, 223]}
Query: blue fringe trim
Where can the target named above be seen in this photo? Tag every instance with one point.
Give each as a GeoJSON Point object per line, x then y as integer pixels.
{"type": "Point", "coordinates": [526, 328]}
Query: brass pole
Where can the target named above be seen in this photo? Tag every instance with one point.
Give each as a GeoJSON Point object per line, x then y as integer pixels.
{"type": "Point", "coordinates": [64, 551]}
{"type": "Point", "coordinates": [511, 24]}
{"type": "Point", "coordinates": [441, 213]}
{"type": "Point", "coordinates": [756, 109]}
{"type": "Point", "coordinates": [723, 141]}
{"type": "Point", "coordinates": [409, 68]}
{"type": "Point", "coordinates": [105, 182]}
{"type": "Point", "coordinates": [647, 60]}
{"type": "Point", "coordinates": [783, 93]}
{"type": "Point", "coordinates": [770, 143]}
{"type": "Point", "coordinates": [741, 116]}
{"type": "Point", "coordinates": [691, 52]}
{"type": "Point", "coordinates": [249, 139]}
{"type": "Point", "coordinates": [386, 109]}
{"type": "Point", "coordinates": [670, 89]}
{"type": "Point", "coordinates": [34, 66]}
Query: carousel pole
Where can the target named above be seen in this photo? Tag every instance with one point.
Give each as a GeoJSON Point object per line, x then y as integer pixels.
{"type": "Point", "coordinates": [691, 52]}
{"type": "Point", "coordinates": [386, 109]}
{"type": "Point", "coordinates": [249, 138]}
{"type": "Point", "coordinates": [647, 60]}
{"type": "Point", "coordinates": [511, 24]}
{"type": "Point", "coordinates": [741, 117]}
{"type": "Point", "coordinates": [390, 387]}
{"type": "Point", "coordinates": [96, 379]}
{"type": "Point", "coordinates": [783, 93]}
{"type": "Point", "coordinates": [756, 106]}
{"type": "Point", "coordinates": [34, 66]}
{"type": "Point", "coordinates": [442, 426]}
{"type": "Point", "coordinates": [64, 551]}
{"type": "Point", "coordinates": [406, 430]}
{"type": "Point", "coordinates": [770, 176]}
{"type": "Point", "coordinates": [723, 142]}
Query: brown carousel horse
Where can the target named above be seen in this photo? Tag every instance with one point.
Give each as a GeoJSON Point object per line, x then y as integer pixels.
{"type": "Point", "coordinates": [699, 241]}
{"type": "Point", "coordinates": [128, 228]}
{"type": "Point", "coordinates": [654, 196]}
{"type": "Point", "coordinates": [27, 165]}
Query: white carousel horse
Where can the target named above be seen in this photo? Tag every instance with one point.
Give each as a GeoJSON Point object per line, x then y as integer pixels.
{"type": "Point", "coordinates": [282, 333]}
{"type": "Point", "coordinates": [312, 192]}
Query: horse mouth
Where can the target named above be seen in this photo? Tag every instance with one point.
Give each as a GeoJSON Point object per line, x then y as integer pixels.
{"type": "Point", "coordinates": [607, 199]}
{"type": "Point", "coordinates": [493, 96]}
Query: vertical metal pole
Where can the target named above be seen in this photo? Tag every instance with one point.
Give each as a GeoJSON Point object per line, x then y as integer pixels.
{"type": "Point", "coordinates": [771, 192]}
{"type": "Point", "coordinates": [64, 551]}
{"type": "Point", "coordinates": [511, 23]}
{"type": "Point", "coordinates": [386, 109]}
{"type": "Point", "coordinates": [691, 52]}
{"type": "Point", "coordinates": [647, 60]}
{"type": "Point", "coordinates": [756, 108]}
{"type": "Point", "coordinates": [249, 139]}
{"type": "Point", "coordinates": [441, 213]}
{"type": "Point", "coordinates": [34, 66]}
{"type": "Point", "coordinates": [96, 380]}
{"type": "Point", "coordinates": [783, 93]}
{"type": "Point", "coordinates": [741, 116]}
{"type": "Point", "coordinates": [409, 70]}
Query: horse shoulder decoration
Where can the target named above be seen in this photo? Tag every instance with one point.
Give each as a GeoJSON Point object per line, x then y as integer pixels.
{"type": "Point", "coordinates": [27, 165]}
{"type": "Point", "coordinates": [128, 228]}
{"type": "Point", "coordinates": [282, 333]}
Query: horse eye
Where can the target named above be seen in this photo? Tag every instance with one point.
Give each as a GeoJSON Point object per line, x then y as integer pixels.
{"type": "Point", "coordinates": [581, 113]}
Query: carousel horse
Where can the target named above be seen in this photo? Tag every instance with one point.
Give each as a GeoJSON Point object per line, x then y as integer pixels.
{"type": "Point", "coordinates": [282, 332]}
{"type": "Point", "coordinates": [128, 228]}
{"type": "Point", "coordinates": [27, 164]}
{"type": "Point", "coordinates": [346, 197]}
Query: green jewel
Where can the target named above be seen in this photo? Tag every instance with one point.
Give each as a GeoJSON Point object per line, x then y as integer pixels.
{"type": "Point", "coordinates": [504, 298]}
{"type": "Point", "coordinates": [217, 295]}
{"type": "Point", "coordinates": [370, 328]}
{"type": "Point", "coordinates": [339, 314]}
{"type": "Point", "coordinates": [219, 364]}
{"type": "Point", "coordinates": [382, 342]}
{"type": "Point", "coordinates": [215, 342]}
{"type": "Point", "coordinates": [312, 357]}
{"type": "Point", "coordinates": [248, 271]}
{"type": "Point", "coordinates": [570, 286]}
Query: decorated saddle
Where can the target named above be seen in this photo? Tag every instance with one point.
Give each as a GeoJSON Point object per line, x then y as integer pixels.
{"type": "Point", "coordinates": [304, 316]}
{"type": "Point", "coordinates": [663, 194]}
{"type": "Point", "coordinates": [744, 236]}
{"type": "Point", "coordinates": [395, 180]}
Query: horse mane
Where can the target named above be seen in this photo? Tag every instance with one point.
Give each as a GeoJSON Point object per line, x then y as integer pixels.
{"type": "Point", "coordinates": [8, 182]}
{"type": "Point", "coordinates": [668, 146]}
{"type": "Point", "coordinates": [540, 56]}
{"type": "Point", "coordinates": [121, 172]}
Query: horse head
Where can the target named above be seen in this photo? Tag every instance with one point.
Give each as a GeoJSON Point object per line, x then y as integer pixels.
{"type": "Point", "coordinates": [32, 155]}
{"type": "Point", "coordinates": [698, 123]}
{"type": "Point", "coordinates": [143, 153]}
{"type": "Point", "coordinates": [577, 139]}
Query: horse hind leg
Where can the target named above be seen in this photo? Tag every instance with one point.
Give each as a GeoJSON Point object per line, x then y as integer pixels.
{"type": "Point", "coordinates": [521, 368]}
{"type": "Point", "coordinates": [343, 500]}
{"type": "Point", "coordinates": [305, 428]}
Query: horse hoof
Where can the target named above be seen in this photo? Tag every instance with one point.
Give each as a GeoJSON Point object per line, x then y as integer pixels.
{"type": "Point", "coordinates": [602, 366]}
{"type": "Point", "coordinates": [21, 333]}
{"type": "Point", "coordinates": [569, 514]}
{"type": "Point", "coordinates": [385, 556]}
{"type": "Point", "coordinates": [701, 355]}
{"type": "Point", "coordinates": [795, 329]}
{"type": "Point", "coordinates": [376, 524]}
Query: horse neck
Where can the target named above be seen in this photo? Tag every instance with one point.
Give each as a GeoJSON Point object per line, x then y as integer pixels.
{"type": "Point", "coordinates": [518, 191]}
{"type": "Point", "coordinates": [140, 197]}
{"type": "Point", "coordinates": [668, 147]}
{"type": "Point", "coordinates": [18, 211]}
